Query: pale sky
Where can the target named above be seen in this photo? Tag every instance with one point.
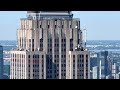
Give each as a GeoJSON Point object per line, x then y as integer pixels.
{"type": "Point", "coordinates": [100, 25]}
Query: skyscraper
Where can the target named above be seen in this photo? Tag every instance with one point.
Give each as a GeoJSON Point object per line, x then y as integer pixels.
{"type": "Point", "coordinates": [50, 47]}
{"type": "Point", "coordinates": [1, 62]}
{"type": "Point", "coordinates": [103, 63]}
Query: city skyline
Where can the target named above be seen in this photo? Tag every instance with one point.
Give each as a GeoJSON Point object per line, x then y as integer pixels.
{"type": "Point", "coordinates": [100, 25]}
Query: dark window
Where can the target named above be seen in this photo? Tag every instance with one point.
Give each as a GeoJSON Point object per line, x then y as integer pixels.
{"type": "Point", "coordinates": [55, 26]}
{"type": "Point", "coordinates": [48, 26]}
{"type": "Point", "coordinates": [42, 56]}
{"type": "Point", "coordinates": [86, 65]}
{"type": "Point", "coordinates": [82, 65]}
{"type": "Point", "coordinates": [33, 56]}
{"type": "Point", "coordinates": [62, 40]}
{"type": "Point", "coordinates": [28, 56]}
{"type": "Point", "coordinates": [62, 26]}
{"type": "Point", "coordinates": [73, 61]}
{"type": "Point", "coordinates": [64, 45]}
{"type": "Point", "coordinates": [87, 60]}
{"type": "Point", "coordinates": [86, 56]}
{"type": "Point", "coordinates": [73, 56]}
{"type": "Point", "coordinates": [80, 56]}
{"type": "Point", "coordinates": [40, 26]}
{"type": "Point", "coordinates": [86, 74]}
{"type": "Point", "coordinates": [55, 61]}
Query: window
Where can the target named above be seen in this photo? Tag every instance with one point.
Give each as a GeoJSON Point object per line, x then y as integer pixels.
{"type": "Point", "coordinates": [87, 60]}
{"type": "Point", "coordinates": [42, 56]}
{"type": "Point", "coordinates": [62, 40]}
{"type": "Point", "coordinates": [80, 56]}
{"type": "Point", "coordinates": [28, 56]}
{"type": "Point", "coordinates": [55, 26]}
{"type": "Point", "coordinates": [86, 56]}
{"type": "Point", "coordinates": [55, 61]}
{"type": "Point", "coordinates": [73, 61]}
{"type": "Point", "coordinates": [48, 26]}
{"type": "Point", "coordinates": [82, 65]}
{"type": "Point", "coordinates": [86, 65]}
{"type": "Point", "coordinates": [73, 56]}
{"type": "Point", "coordinates": [62, 26]}
{"type": "Point", "coordinates": [40, 26]}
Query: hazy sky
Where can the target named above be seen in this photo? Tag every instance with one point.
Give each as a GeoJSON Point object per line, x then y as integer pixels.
{"type": "Point", "coordinates": [101, 25]}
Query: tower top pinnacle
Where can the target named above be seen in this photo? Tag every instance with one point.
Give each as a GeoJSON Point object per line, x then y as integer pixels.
{"type": "Point", "coordinates": [51, 14]}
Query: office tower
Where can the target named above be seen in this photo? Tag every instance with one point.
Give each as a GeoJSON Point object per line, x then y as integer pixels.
{"type": "Point", "coordinates": [46, 42]}
{"type": "Point", "coordinates": [93, 60]}
{"type": "Point", "coordinates": [95, 72]}
{"type": "Point", "coordinates": [1, 62]}
{"type": "Point", "coordinates": [115, 70]}
{"type": "Point", "coordinates": [91, 74]}
{"type": "Point", "coordinates": [103, 63]}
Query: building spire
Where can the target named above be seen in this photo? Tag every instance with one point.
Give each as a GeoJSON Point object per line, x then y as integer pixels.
{"type": "Point", "coordinates": [50, 14]}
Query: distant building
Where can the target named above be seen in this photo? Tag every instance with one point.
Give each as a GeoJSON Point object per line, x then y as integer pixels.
{"type": "Point", "coordinates": [103, 63]}
{"type": "Point", "coordinates": [1, 62]}
{"type": "Point", "coordinates": [95, 72]}
{"type": "Point", "coordinates": [115, 71]}
{"type": "Point", "coordinates": [6, 76]}
{"type": "Point", "coordinates": [93, 60]}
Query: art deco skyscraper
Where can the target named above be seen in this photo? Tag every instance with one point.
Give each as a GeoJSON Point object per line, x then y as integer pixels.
{"type": "Point", "coordinates": [49, 47]}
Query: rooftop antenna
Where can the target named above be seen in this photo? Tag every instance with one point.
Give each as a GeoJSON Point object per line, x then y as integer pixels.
{"type": "Point", "coordinates": [85, 35]}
